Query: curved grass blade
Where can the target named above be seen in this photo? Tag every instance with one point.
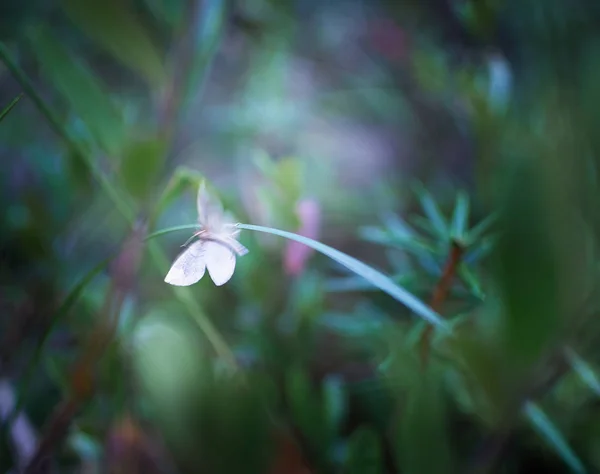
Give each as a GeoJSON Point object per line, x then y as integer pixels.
{"type": "Point", "coordinates": [10, 106]}
{"type": "Point", "coordinates": [544, 426]}
{"type": "Point", "coordinates": [583, 370]}
{"type": "Point", "coordinates": [383, 282]}
{"type": "Point", "coordinates": [168, 230]}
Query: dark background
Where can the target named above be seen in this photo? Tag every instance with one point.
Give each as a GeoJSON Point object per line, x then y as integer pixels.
{"type": "Point", "coordinates": [453, 145]}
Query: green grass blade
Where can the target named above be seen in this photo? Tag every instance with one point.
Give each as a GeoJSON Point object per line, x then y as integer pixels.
{"type": "Point", "coordinates": [544, 426]}
{"type": "Point", "coordinates": [10, 106]}
{"type": "Point", "coordinates": [383, 282]}
{"type": "Point", "coordinates": [585, 372]}
{"type": "Point", "coordinates": [168, 230]}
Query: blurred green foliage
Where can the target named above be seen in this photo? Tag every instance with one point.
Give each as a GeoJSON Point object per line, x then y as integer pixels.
{"type": "Point", "coordinates": [416, 127]}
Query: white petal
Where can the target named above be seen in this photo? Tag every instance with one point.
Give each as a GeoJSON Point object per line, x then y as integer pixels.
{"type": "Point", "coordinates": [189, 267]}
{"type": "Point", "coordinates": [220, 261]}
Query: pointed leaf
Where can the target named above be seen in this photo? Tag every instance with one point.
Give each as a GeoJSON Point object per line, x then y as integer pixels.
{"type": "Point", "coordinates": [114, 26]}
{"type": "Point", "coordinates": [585, 372]}
{"type": "Point", "coordinates": [544, 426]}
{"type": "Point", "coordinates": [460, 218]}
{"type": "Point", "coordinates": [334, 403]}
{"type": "Point", "coordinates": [433, 213]}
{"type": "Point", "coordinates": [80, 88]}
{"type": "Point", "coordinates": [481, 228]}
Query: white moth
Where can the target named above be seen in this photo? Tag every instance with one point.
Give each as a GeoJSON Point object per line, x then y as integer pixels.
{"type": "Point", "coordinates": [215, 250]}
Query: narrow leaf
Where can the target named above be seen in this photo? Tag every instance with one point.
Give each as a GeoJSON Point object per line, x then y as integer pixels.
{"type": "Point", "coordinates": [460, 217]}
{"type": "Point", "coordinates": [383, 282]}
{"type": "Point", "coordinates": [433, 213]}
{"type": "Point", "coordinates": [544, 426]}
{"type": "Point", "coordinates": [80, 88]}
{"type": "Point", "coordinates": [114, 26]}
{"type": "Point", "coordinates": [583, 370]}
{"type": "Point", "coordinates": [480, 229]}
{"type": "Point", "coordinates": [10, 106]}
{"type": "Point", "coordinates": [528, 269]}
{"type": "Point", "coordinates": [334, 403]}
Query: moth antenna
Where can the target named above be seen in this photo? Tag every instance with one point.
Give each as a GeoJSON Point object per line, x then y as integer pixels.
{"type": "Point", "coordinates": [192, 237]}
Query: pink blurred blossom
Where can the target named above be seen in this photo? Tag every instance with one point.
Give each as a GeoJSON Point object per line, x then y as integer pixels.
{"type": "Point", "coordinates": [389, 39]}
{"type": "Point", "coordinates": [296, 254]}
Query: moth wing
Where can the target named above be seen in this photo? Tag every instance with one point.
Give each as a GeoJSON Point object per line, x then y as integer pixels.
{"type": "Point", "coordinates": [209, 208]}
{"type": "Point", "coordinates": [189, 267]}
{"type": "Point", "coordinates": [235, 245]}
{"type": "Point", "coordinates": [220, 261]}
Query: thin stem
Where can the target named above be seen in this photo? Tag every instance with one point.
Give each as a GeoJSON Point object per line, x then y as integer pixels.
{"type": "Point", "coordinates": [10, 106]}
{"type": "Point", "coordinates": [169, 230]}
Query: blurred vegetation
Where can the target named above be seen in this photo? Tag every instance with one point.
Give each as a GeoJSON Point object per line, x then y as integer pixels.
{"type": "Point", "coordinates": [452, 145]}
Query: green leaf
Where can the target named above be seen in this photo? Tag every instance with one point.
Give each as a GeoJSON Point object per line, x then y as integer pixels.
{"type": "Point", "coordinates": [423, 444]}
{"type": "Point", "coordinates": [460, 218]}
{"type": "Point", "coordinates": [182, 179]}
{"type": "Point", "coordinates": [141, 165]}
{"type": "Point", "coordinates": [544, 426]}
{"type": "Point", "coordinates": [585, 372]}
{"type": "Point", "coordinates": [207, 36]}
{"type": "Point", "coordinates": [334, 403]}
{"type": "Point", "coordinates": [432, 212]}
{"type": "Point", "coordinates": [414, 244]}
{"type": "Point", "coordinates": [307, 410]}
{"type": "Point", "coordinates": [364, 453]}
{"type": "Point", "coordinates": [114, 26]}
{"type": "Point", "coordinates": [527, 270]}
{"type": "Point", "coordinates": [471, 280]}
{"type": "Point", "coordinates": [167, 10]}
{"type": "Point", "coordinates": [265, 164]}
{"type": "Point", "coordinates": [10, 106]}
{"type": "Point", "coordinates": [80, 88]}
{"type": "Point", "coordinates": [235, 429]}
{"type": "Point", "coordinates": [481, 228]}
{"type": "Point", "coordinates": [289, 176]}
